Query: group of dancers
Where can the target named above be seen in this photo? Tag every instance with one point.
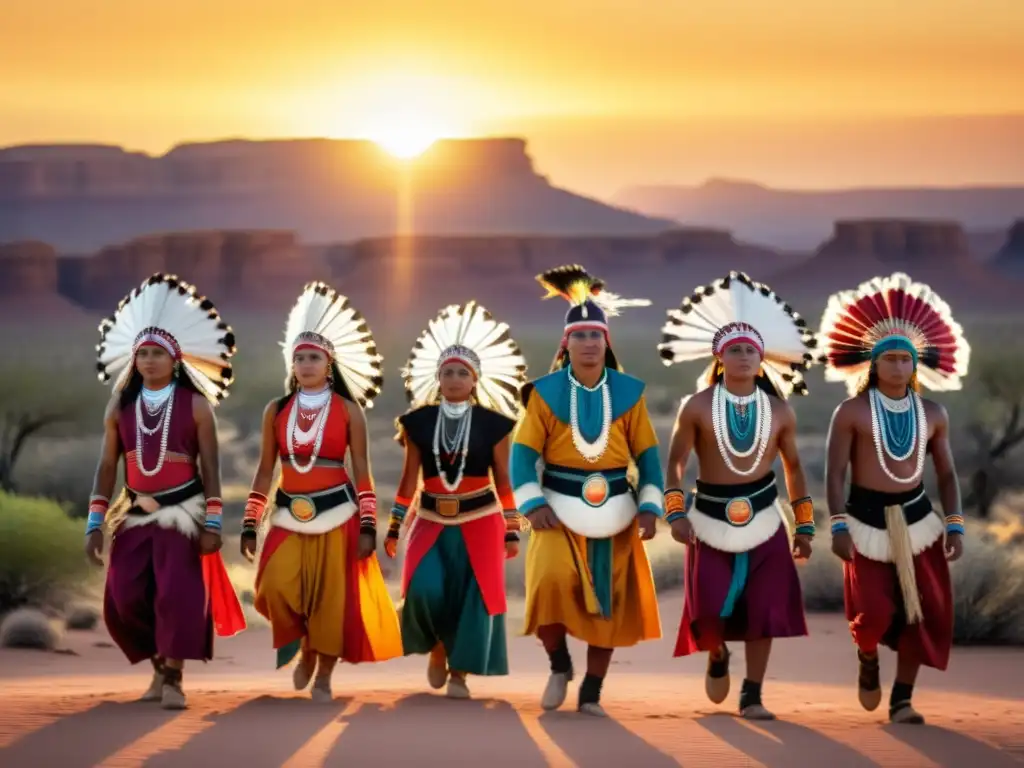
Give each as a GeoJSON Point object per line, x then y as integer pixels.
{"type": "Point", "coordinates": [572, 456]}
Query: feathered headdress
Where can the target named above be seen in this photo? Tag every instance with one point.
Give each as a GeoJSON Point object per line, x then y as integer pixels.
{"type": "Point", "coordinates": [736, 309]}
{"type": "Point", "coordinates": [591, 304]}
{"type": "Point", "coordinates": [324, 319]}
{"type": "Point", "coordinates": [469, 334]}
{"type": "Point", "coordinates": [169, 313]}
{"type": "Point", "coordinates": [887, 313]}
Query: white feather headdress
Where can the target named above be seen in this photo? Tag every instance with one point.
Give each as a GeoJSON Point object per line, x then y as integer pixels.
{"type": "Point", "coordinates": [170, 312]}
{"type": "Point", "coordinates": [470, 333]}
{"type": "Point", "coordinates": [324, 317]}
{"type": "Point", "coordinates": [691, 330]}
{"type": "Point", "coordinates": [894, 306]}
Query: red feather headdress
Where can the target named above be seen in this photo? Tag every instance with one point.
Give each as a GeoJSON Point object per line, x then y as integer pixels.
{"type": "Point", "coordinates": [895, 306]}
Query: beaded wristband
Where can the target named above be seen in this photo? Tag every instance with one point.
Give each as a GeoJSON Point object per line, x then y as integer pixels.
{"type": "Point", "coordinates": [807, 529]}
{"type": "Point", "coordinates": [368, 509]}
{"type": "Point", "coordinates": [214, 514]}
{"type": "Point", "coordinates": [955, 524]}
{"type": "Point", "coordinates": [675, 505]}
{"type": "Point", "coordinates": [398, 512]}
{"type": "Point", "coordinates": [98, 506]}
{"type": "Point", "coordinates": [254, 508]}
{"type": "Point", "coordinates": [838, 523]}
{"type": "Point", "coordinates": [803, 511]}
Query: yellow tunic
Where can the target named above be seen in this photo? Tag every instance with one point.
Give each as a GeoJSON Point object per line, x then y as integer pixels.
{"type": "Point", "coordinates": [559, 584]}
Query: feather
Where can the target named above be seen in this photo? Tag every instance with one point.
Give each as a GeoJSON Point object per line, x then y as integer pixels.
{"type": "Point", "coordinates": [574, 284]}
{"type": "Point", "coordinates": [690, 330]}
{"type": "Point", "coordinates": [322, 310]}
{"type": "Point", "coordinates": [855, 320]}
{"type": "Point", "coordinates": [502, 364]}
{"type": "Point", "coordinates": [164, 301]}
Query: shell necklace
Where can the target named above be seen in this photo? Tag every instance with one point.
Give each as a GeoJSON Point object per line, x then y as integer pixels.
{"type": "Point", "coordinates": [590, 451]}
{"type": "Point", "coordinates": [721, 400]}
{"type": "Point", "coordinates": [162, 426]}
{"type": "Point", "coordinates": [916, 432]}
{"type": "Point", "coordinates": [454, 442]}
{"type": "Point", "coordinates": [314, 433]}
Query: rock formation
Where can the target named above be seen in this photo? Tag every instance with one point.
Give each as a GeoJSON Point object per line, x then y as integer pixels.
{"type": "Point", "coordinates": [933, 252]}
{"type": "Point", "coordinates": [81, 197]}
{"type": "Point", "coordinates": [1010, 258]}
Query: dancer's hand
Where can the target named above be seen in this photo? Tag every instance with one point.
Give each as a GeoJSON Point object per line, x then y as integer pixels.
{"type": "Point", "coordinates": [391, 546]}
{"type": "Point", "coordinates": [367, 545]}
{"type": "Point", "coordinates": [511, 549]}
{"type": "Point", "coordinates": [954, 546]}
{"type": "Point", "coordinates": [801, 547]}
{"type": "Point", "coordinates": [648, 523]}
{"type": "Point", "coordinates": [682, 531]}
{"type": "Point", "coordinates": [247, 546]}
{"type": "Point", "coordinates": [543, 518]}
{"type": "Point", "coordinates": [209, 542]}
{"type": "Point", "coordinates": [94, 548]}
{"type": "Point", "coordinates": [842, 545]}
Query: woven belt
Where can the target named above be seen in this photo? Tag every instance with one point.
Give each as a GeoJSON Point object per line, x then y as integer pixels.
{"type": "Point", "coordinates": [868, 506]}
{"type": "Point", "coordinates": [736, 504]}
{"type": "Point", "coordinates": [306, 506]}
{"type": "Point", "coordinates": [453, 506]}
{"type": "Point", "coordinates": [169, 498]}
{"type": "Point", "coordinates": [594, 488]}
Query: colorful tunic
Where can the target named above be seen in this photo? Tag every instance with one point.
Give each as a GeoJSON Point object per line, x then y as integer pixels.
{"type": "Point", "coordinates": [163, 598]}
{"type": "Point", "coordinates": [453, 577]}
{"type": "Point", "coordinates": [741, 581]}
{"type": "Point", "coordinates": [311, 584]}
{"type": "Point", "coordinates": [875, 604]}
{"type": "Point", "coordinates": [592, 574]}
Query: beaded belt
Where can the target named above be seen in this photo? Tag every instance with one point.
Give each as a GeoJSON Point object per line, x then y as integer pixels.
{"type": "Point", "coordinates": [306, 506]}
{"type": "Point", "coordinates": [453, 506]}
{"type": "Point", "coordinates": [594, 488]}
{"type": "Point", "coordinates": [868, 506]}
{"type": "Point", "coordinates": [169, 498]}
{"type": "Point", "coordinates": [736, 504]}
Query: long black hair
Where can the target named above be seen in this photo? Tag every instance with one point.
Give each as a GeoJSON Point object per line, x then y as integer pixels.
{"type": "Point", "coordinates": [130, 391]}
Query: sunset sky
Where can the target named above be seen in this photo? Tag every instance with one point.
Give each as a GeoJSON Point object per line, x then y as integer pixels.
{"type": "Point", "coordinates": [608, 92]}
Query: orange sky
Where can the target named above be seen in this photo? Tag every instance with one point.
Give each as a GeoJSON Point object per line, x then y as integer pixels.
{"type": "Point", "coordinates": [616, 74]}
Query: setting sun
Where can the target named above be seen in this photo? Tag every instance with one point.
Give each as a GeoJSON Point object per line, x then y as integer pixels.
{"type": "Point", "coordinates": [405, 140]}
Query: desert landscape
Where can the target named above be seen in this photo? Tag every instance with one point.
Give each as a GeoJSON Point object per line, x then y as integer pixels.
{"type": "Point", "coordinates": [418, 155]}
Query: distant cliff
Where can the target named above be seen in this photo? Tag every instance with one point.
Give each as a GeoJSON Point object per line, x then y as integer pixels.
{"type": "Point", "coordinates": [1010, 258]}
{"type": "Point", "coordinates": [932, 252]}
{"type": "Point", "coordinates": [80, 197]}
{"type": "Point", "coordinates": [401, 281]}
{"type": "Point", "coordinates": [800, 219]}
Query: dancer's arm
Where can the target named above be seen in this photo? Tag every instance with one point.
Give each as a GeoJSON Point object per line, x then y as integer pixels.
{"type": "Point", "coordinates": [359, 452]}
{"type": "Point", "coordinates": [261, 481]}
{"type": "Point", "coordinates": [949, 485]}
{"type": "Point", "coordinates": [643, 447]}
{"type": "Point", "coordinates": [684, 435]}
{"type": "Point", "coordinates": [503, 485]}
{"type": "Point", "coordinates": [106, 469]}
{"type": "Point", "coordinates": [796, 482]}
{"type": "Point", "coordinates": [209, 460]}
{"type": "Point", "coordinates": [527, 450]}
{"type": "Point", "coordinates": [407, 487]}
{"type": "Point", "coordinates": [838, 453]}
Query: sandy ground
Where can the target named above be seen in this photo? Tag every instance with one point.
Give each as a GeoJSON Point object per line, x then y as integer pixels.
{"type": "Point", "coordinates": [74, 709]}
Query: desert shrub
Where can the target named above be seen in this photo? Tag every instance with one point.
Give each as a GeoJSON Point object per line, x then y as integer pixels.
{"type": "Point", "coordinates": [81, 618]}
{"type": "Point", "coordinates": [41, 557]}
{"type": "Point", "coordinates": [988, 594]}
{"type": "Point", "coordinates": [28, 628]}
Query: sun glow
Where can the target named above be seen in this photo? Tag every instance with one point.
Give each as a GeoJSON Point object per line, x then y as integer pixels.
{"type": "Point", "coordinates": [405, 139]}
